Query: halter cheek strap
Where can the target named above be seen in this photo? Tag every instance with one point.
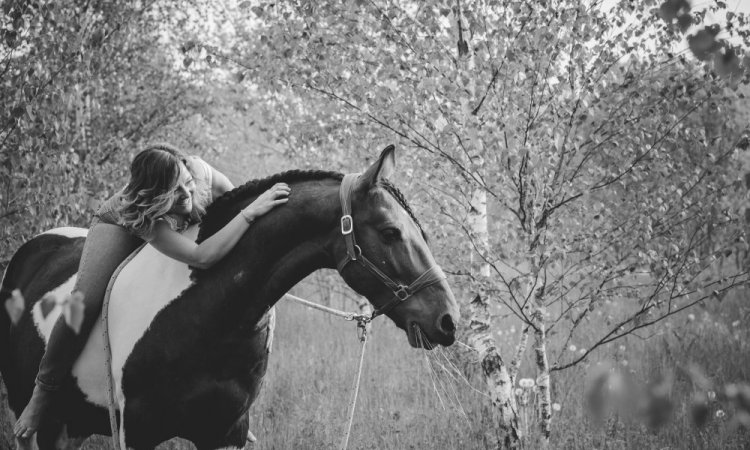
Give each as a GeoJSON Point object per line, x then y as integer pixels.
{"type": "Point", "coordinates": [401, 293]}
{"type": "Point", "coordinates": [353, 252]}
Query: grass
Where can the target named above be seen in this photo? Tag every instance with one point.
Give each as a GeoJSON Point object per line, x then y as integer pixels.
{"type": "Point", "coordinates": [403, 404]}
{"type": "Point", "coordinates": [304, 401]}
{"type": "Point", "coordinates": [311, 377]}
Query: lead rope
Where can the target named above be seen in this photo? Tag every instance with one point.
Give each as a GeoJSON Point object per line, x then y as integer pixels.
{"type": "Point", "coordinates": [362, 326]}
{"type": "Point", "coordinates": [362, 321]}
{"type": "Point", "coordinates": [108, 351]}
{"type": "Point", "coordinates": [345, 315]}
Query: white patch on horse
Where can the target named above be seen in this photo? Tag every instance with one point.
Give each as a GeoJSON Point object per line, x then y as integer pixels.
{"type": "Point", "coordinates": [148, 283]}
{"type": "Point", "coordinates": [71, 232]}
{"type": "Point", "coordinates": [44, 324]}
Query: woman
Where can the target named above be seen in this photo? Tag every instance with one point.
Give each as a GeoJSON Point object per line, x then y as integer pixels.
{"type": "Point", "coordinates": [167, 192]}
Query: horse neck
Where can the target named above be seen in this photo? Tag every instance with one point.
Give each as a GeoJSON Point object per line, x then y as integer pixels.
{"type": "Point", "coordinates": [284, 246]}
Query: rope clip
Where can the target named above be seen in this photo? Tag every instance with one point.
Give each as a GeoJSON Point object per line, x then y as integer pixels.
{"type": "Point", "coordinates": [362, 321]}
{"type": "Point", "coordinates": [360, 318]}
{"type": "Point", "coordinates": [362, 328]}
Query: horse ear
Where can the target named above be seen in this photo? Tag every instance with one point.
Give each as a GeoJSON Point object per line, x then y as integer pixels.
{"type": "Point", "coordinates": [382, 168]}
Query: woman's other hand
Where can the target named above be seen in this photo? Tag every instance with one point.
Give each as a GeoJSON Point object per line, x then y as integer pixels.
{"type": "Point", "coordinates": [278, 194]}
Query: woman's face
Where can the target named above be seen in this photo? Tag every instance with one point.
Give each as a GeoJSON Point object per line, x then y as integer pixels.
{"type": "Point", "coordinates": [183, 193]}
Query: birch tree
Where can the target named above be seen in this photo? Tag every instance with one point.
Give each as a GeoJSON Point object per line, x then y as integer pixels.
{"type": "Point", "coordinates": [494, 368]}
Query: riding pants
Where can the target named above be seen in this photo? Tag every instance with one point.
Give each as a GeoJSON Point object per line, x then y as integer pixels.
{"type": "Point", "coordinates": [107, 245]}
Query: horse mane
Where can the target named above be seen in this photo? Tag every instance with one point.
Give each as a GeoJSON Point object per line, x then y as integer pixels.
{"type": "Point", "coordinates": [226, 207]}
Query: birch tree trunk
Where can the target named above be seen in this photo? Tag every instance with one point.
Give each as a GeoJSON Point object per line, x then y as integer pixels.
{"type": "Point", "coordinates": [543, 398]}
{"type": "Point", "coordinates": [536, 290]}
{"type": "Point", "coordinates": [518, 358]}
{"type": "Point", "coordinates": [496, 374]}
{"type": "Point", "coordinates": [495, 370]}
{"type": "Point", "coordinates": [542, 382]}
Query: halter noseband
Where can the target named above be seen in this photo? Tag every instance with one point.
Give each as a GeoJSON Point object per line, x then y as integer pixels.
{"type": "Point", "coordinates": [401, 293]}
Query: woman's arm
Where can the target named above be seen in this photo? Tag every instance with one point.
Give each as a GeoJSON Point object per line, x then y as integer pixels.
{"type": "Point", "coordinates": [208, 252]}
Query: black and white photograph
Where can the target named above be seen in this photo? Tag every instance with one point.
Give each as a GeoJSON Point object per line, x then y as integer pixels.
{"type": "Point", "coordinates": [375, 224]}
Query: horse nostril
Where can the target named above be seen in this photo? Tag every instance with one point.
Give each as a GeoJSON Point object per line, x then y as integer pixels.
{"type": "Point", "coordinates": [447, 325]}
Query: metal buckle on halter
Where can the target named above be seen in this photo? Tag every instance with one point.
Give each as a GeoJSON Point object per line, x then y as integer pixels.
{"type": "Point", "coordinates": [347, 224]}
{"type": "Point", "coordinates": [402, 293]}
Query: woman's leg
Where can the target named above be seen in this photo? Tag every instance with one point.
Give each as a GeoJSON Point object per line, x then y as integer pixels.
{"type": "Point", "coordinates": [106, 246]}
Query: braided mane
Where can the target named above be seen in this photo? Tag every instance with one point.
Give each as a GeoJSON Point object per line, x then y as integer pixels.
{"type": "Point", "coordinates": [224, 208]}
{"type": "Point", "coordinates": [399, 196]}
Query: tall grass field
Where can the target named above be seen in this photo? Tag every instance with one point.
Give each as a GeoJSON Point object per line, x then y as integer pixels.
{"type": "Point", "coordinates": [413, 399]}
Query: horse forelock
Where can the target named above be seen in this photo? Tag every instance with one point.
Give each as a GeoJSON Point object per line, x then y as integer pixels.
{"type": "Point", "coordinates": [226, 207]}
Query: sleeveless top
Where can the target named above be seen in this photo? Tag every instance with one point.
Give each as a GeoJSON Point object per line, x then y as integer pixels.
{"type": "Point", "coordinates": [109, 211]}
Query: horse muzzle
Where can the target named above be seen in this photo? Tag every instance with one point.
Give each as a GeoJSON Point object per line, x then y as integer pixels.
{"type": "Point", "coordinates": [442, 333]}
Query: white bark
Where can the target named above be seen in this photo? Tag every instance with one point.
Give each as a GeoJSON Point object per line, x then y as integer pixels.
{"type": "Point", "coordinates": [536, 291]}
{"type": "Point", "coordinates": [478, 225]}
{"type": "Point", "coordinates": [494, 368]}
{"type": "Point", "coordinates": [518, 358]}
{"type": "Point", "coordinates": [496, 374]}
{"type": "Point", "coordinates": [499, 382]}
{"type": "Point", "coordinates": [544, 402]}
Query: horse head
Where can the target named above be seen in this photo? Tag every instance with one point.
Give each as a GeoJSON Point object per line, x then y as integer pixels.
{"type": "Point", "coordinates": [382, 254]}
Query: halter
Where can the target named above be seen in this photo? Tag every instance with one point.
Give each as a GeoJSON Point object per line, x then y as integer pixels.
{"type": "Point", "coordinates": [401, 293]}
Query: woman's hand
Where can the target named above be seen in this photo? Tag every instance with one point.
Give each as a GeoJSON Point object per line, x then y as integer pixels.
{"type": "Point", "coordinates": [276, 195]}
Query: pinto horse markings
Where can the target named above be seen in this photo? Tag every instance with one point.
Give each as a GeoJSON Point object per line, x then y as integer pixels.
{"type": "Point", "coordinates": [190, 347]}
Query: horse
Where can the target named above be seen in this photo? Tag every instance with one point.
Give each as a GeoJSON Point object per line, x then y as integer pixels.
{"type": "Point", "coordinates": [189, 346]}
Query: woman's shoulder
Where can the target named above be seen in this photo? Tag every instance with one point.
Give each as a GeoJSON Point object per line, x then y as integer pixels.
{"type": "Point", "coordinates": [198, 165]}
{"type": "Point", "coordinates": [203, 175]}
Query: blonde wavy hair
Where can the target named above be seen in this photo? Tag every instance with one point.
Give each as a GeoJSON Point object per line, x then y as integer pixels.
{"type": "Point", "coordinates": [149, 194]}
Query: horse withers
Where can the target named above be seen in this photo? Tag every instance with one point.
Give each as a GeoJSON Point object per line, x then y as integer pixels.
{"type": "Point", "coordinates": [189, 346]}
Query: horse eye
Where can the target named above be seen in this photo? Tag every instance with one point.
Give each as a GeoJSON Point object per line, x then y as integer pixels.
{"type": "Point", "coordinates": [391, 234]}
